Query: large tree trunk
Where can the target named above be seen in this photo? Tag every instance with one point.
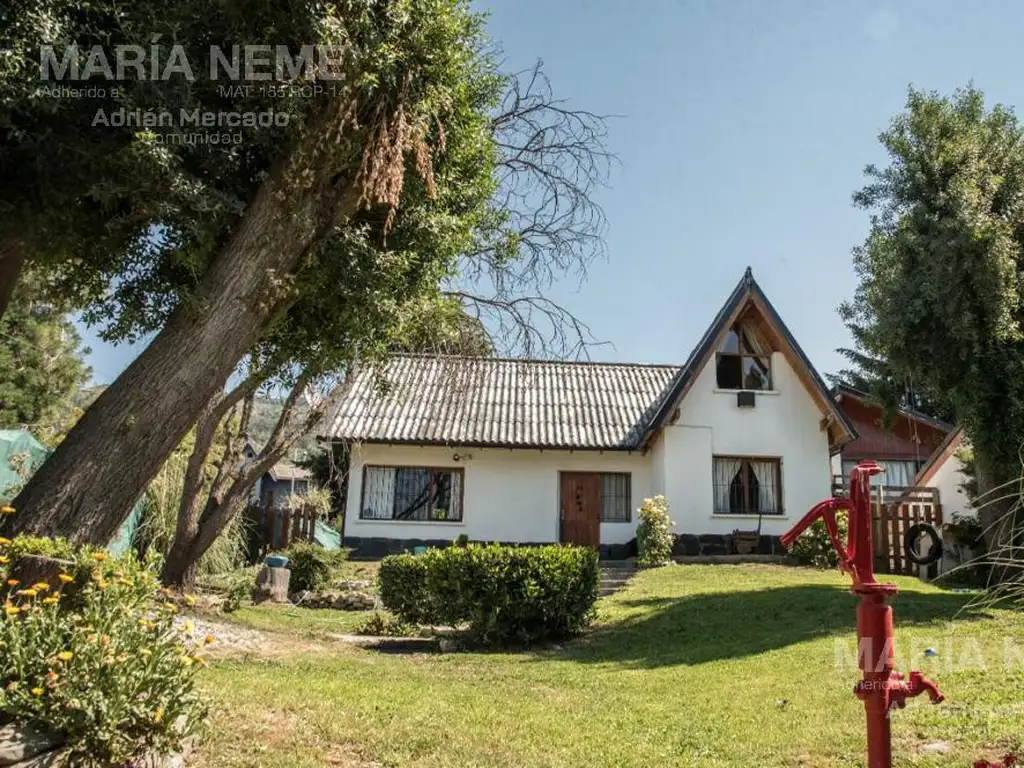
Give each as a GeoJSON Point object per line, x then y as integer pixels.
{"type": "Point", "coordinates": [88, 487]}
{"type": "Point", "coordinates": [12, 260]}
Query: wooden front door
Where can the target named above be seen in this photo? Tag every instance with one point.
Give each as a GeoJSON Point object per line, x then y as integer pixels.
{"type": "Point", "coordinates": [581, 508]}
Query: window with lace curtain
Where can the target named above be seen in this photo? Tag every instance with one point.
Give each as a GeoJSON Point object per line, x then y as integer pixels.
{"type": "Point", "coordinates": [422, 494]}
{"type": "Point", "coordinates": [747, 485]}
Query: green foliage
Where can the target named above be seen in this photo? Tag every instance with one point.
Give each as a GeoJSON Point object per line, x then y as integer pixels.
{"type": "Point", "coordinates": [654, 532]}
{"type": "Point", "coordinates": [814, 547]}
{"type": "Point", "coordinates": [462, 540]}
{"type": "Point", "coordinates": [41, 365]}
{"type": "Point", "coordinates": [940, 272]}
{"type": "Point", "coordinates": [106, 667]}
{"type": "Point", "coordinates": [155, 533]}
{"type": "Point", "coordinates": [379, 624]}
{"type": "Point", "coordinates": [403, 588]}
{"type": "Point", "coordinates": [505, 594]}
{"type": "Point", "coordinates": [312, 566]}
{"type": "Point", "coordinates": [240, 587]}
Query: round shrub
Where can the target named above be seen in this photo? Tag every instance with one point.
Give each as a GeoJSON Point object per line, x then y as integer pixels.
{"type": "Point", "coordinates": [814, 547]}
{"type": "Point", "coordinates": [105, 667]}
{"type": "Point", "coordinates": [506, 594]}
{"type": "Point", "coordinates": [312, 566]}
{"type": "Point", "coordinates": [654, 532]}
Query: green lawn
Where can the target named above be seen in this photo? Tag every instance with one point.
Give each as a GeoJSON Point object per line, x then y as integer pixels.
{"type": "Point", "coordinates": [690, 666]}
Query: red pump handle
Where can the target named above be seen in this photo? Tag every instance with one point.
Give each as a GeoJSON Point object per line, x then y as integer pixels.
{"type": "Point", "coordinates": [825, 511]}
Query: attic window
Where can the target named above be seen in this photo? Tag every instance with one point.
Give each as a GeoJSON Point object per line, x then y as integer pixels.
{"type": "Point", "coordinates": [744, 361]}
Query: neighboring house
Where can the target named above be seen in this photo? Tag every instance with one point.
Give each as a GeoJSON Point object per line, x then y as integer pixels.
{"type": "Point", "coordinates": [945, 470]}
{"type": "Point", "coordinates": [542, 451]}
{"type": "Point", "coordinates": [282, 480]}
{"type": "Point", "coordinates": [902, 450]}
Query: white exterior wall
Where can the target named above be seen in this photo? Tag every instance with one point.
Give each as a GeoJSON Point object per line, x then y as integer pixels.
{"type": "Point", "coordinates": [513, 495]}
{"type": "Point", "coordinates": [509, 495]}
{"type": "Point", "coordinates": [947, 479]}
{"type": "Point", "coordinates": [784, 423]}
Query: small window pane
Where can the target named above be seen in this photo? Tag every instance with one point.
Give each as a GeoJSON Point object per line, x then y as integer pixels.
{"type": "Point", "coordinates": [730, 372]}
{"type": "Point", "coordinates": [756, 373]}
{"type": "Point", "coordinates": [731, 345]}
{"type": "Point", "coordinates": [412, 494]}
{"type": "Point", "coordinates": [615, 497]}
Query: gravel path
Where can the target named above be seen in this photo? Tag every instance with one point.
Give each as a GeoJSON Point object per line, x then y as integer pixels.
{"type": "Point", "coordinates": [226, 636]}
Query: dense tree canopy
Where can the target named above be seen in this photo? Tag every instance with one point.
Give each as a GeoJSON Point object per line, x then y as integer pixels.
{"type": "Point", "coordinates": [940, 273]}
{"type": "Point", "coordinates": [41, 364]}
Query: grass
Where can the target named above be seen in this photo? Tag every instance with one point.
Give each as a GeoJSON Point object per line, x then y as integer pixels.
{"type": "Point", "coordinates": [290, 620]}
{"type": "Point", "coordinates": [690, 665]}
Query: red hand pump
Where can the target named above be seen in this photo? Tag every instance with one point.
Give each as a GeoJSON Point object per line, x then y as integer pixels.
{"type": "Point", "coordinates": [881, 688]}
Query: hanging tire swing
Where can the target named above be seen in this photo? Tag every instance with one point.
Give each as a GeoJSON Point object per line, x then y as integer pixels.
{"type": "Point", "coordinates": [911, 544]}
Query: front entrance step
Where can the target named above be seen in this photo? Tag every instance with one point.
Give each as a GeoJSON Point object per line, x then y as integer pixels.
{"type": "Point", "coordinates": [733, 559]}
{"type": "Point", "coordinates": [615, 575]}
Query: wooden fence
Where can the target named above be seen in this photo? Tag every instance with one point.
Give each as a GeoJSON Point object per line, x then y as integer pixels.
{"type": "Point", "coordinates": [893, 511]}
{"type": "Point", "coordinates": [277, 527]}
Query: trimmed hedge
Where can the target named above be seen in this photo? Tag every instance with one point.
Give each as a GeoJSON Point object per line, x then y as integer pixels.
{"type": "Point", "coordinates": [506, 594]}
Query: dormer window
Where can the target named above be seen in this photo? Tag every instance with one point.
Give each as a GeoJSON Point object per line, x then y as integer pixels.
{"type": "Point", "coordinates": [744, 361]}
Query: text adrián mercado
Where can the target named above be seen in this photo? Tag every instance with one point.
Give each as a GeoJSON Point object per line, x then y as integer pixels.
{"type": "Point", "coordinates": [188, 118]}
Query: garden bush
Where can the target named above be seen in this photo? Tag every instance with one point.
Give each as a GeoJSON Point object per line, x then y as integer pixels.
{"type": "Point", "coordinates": [505, 594]}
{"type": "Point", "coordinates": [105, 668]}
{"type": "Point", "coordinates": [654, 532]}
{"type": "Point", "coordinates": [814, 547]}
{"type": "Point", "coordinates": [402, 580]}
{"type": "Point", "coordinates": [312, 566]}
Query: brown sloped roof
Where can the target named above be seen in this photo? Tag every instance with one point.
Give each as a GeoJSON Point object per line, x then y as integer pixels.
{"type": "Point", "coordinates": [503, 402]}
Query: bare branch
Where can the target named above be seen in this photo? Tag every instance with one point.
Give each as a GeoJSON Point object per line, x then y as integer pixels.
{"type": "Point", "coordinates": [554, 159]}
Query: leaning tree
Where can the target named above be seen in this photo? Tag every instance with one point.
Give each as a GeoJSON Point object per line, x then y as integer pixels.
{"type": "Point", "coordinates": [940, 288]}
{"type": "Point", "coordinates": [405, 84]}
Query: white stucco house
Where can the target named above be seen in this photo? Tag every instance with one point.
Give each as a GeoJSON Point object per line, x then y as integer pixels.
{"type": "Point", "coordinates": [534, 451]}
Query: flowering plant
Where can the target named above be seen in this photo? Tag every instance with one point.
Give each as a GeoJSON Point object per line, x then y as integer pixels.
{"type": "Point", "coordinates": [654, 533]}
{"type": "Point", "coordinates": [95, 656]}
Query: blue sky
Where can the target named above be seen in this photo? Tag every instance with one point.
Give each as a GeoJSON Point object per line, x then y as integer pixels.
{"type": "Point", "coordinates": [743, 130]}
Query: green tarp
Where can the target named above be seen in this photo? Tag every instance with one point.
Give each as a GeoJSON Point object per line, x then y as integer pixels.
{"type": "Point", "coordinates": [20, 456]}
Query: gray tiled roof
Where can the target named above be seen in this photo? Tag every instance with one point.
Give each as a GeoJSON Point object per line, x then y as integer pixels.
{"type": "Point", "coordinates": [503, 402]}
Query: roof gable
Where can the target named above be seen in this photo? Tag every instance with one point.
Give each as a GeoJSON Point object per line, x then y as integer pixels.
{"type": "Point", "coordinates": [748, 293]}
{"type": "Point", "coordinates": [940, 456]}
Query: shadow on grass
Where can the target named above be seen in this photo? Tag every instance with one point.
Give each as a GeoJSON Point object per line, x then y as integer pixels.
{"type": "Point", "coordinates": [726, 625]}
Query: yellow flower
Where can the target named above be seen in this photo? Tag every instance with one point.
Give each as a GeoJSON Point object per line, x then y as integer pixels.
{"type": "Point", "coordinates": [4, 560]}
{"type": "Point", "coordinates": [13, 582]}
{"type": "Point", "coordinates": [11, 610]}
{"type": "Point", "coordinates": [6, 510]}
{"type": "Point", "coordinates": [188, 626]}
{"type": "Point", "coordinates": [37, 691]}
{"type": "Point", "coordinates": [199, 660]}
{"type": "Point", "coordinates": [159, 714]}
{"type": "Point", "coordinates": [209, 639]}
{"type": "Point", "coordinates": [126, 582]}
{"type": "Point", "coordinates": [4, 542]}
{"type": "Point", "coordinates": [99, 557]}
{"type": "Point", "coordinates": [101, 584]}
{"type": "Point", "coordinates": [40, 586]}
{"type": "Point", "coordinates": [145, 652]}
{"type": "Point", "coordinates": [50, 601]}
{"type": "Point", "coordinates": [26, 593]}
{"type": "Point", "coordinates": [189, 600]}
{"type": "Point", "coordinates": [65, 655]}
{"type": "Point", "coordinates": [65, 578]}
{"type": "Point", "coordinates": [186, 660]}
